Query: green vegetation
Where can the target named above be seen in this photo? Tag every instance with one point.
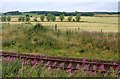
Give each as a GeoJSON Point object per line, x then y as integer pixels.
{"type": "Point", "coordinates": [52, 41]}
{"type": "Point", "coordinates": [48, 17]}
{"type": "Point", "coordinates": [53, 17]}
{"type": "Point", "coordinates": [3, 18]}
{"type": "Point", "coordinates": [61, 17]}
{"type": "Point", "coordinates": [77, 17]}
{"type": "Point", "coordinates": [21, 19]}
{"type": "Point", "coordinates": [42, 17]}
{"type": "Point", "coordinates": [56, 13]}
{"type": "Point", "coordinates": [70, 18]}
{"type": "Point", "coordinates": [9, 18]}
{"type": "Point", "coordinates": [27, 18]}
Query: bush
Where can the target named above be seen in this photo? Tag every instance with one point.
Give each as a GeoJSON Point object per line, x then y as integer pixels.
{"type": "Point", "coordinates": [3, 18]}
{"type": "Point", "coordinates": [21, 19]}
{"type": "Point", "coordinates": [77, 17]}
{"type": "Point", "coordinates": [42, 17]}
{"type": "Point", "coordinates": [27, 18]}
{"type": "Point", "coordinates": [48, 16]}
{"type": "Point", "coordinates": [61, 17]}
{"type": "Point", "coordinates": [8, 18]}
{"type": "Point", "coordinates": [70, 18]}
{"type": "Point", "coordinates": [53, 17]}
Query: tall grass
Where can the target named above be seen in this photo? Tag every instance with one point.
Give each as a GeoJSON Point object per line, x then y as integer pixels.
{"type": "Point", "coordinates": [51, 41]}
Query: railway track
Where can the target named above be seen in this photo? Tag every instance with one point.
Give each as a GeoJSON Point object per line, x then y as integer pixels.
{"type": "Point", "coordinates": [71, 64]}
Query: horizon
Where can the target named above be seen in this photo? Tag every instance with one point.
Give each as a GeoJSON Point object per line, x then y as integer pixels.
{"type": "Point", "coordinates": [64, 11]}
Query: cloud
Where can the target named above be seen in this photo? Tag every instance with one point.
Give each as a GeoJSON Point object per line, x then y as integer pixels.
{"type": "Point", "coordinates": [59, 1]}
{"type": "Point", "coordinates": [60, 6]}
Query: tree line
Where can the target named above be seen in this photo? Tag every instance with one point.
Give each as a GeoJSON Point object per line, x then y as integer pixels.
{"type": "Point", "coordinates": [49, 17]}
{"type": "Point", "coordinates": [56, 13]}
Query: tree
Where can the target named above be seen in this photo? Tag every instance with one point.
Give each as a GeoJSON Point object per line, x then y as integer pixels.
{"type": "Point", "coordinates": [61, 17]}
{"type": "Point", "coordinates": [53, 18]}
{"type": "Point", "coordinates": [3, 18]}
{"type": "Point", "coordinates": [77, 17]}
{"type": "Point", "coordinates": [27, 18]}
{"type": "Point", "coordinates": [48, 16]}
{"type": "Point", "coordinates": [9, 18]}
{"type": "Point", "coordinates": [42, 17]}
{"type": "Point", "coordinates": [69, 18]}
{"type": "Point", "coordinates": [21, 18]}
{"type": "Point", "coordinates": [27, 15]}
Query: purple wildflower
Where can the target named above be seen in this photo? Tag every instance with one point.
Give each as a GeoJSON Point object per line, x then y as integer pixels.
{"type": "Point", "coordinates": [101, 67]}
{"type": "Point", "coordinates": [84, 62]}
{"type": "Point", "coordinates": [94, 67]}
{"type": "Point", "coordinates": [32, 62]}
{"type": "Point", "coordinates": [86, 67]}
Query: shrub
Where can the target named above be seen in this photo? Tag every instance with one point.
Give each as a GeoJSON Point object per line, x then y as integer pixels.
{"type": "Point", "coordinates": [42, 17]}
{"type": "Point", "coordinates": [77, 17]}
{"type": "Point", "coordinates": [70, 18]}
{"type": "Point", "coordinates": [48, 16]}
{"type": "Point", "coordinates": [9, 18]}
{"type": "Point", "coordinates": [61, 17]}
{"type": "Point", "coordinates": [27, 18]}
{"type": "Point", "coordinates": [3, 18]}
{"type": "Point", "coordinates": [21, 18]}
{"type": "Point", "coordinates": [53, 17]}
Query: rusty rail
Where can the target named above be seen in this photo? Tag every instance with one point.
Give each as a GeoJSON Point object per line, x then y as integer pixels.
{"type": "Point", "coordinates": [67, 63]}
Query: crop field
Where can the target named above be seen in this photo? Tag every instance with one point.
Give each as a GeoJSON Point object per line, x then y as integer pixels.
{"type": "Point", "coordinates": [87, 23]}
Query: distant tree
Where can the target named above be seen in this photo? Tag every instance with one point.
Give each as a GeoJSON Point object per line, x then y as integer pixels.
{"type": "Point", "coordinates": [53, 17]}
{"type": "Point", "coordinates": [3, 18]}
{"type": "Point", "coordinates": [27, 15]}
{"type": "Point", "coordinates": [35, 19]}
{"type": "Point", "coordinates": [70, 18]}
{"type": "Point", "coordinates": [48, 16]}
{"type": "Point", "coordinates": [42, 17]}
{"type": "Point", "coordinates": [27, 18]}
{"type": "Point", "coordinates": [9, 18]}
{"type": "Point", "coordinates": [61, 17]}
{"type": "Point", "coordinates": [21, 18]}
{"type": "Point", "coordinates": [77, 17]}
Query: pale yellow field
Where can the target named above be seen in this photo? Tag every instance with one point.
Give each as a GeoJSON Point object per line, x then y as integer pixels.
{"type": "Point", "coordinates": [106, 24]}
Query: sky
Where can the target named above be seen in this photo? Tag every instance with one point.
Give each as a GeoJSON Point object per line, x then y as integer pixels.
{"type": "Point", "coordinates": [61, 5]}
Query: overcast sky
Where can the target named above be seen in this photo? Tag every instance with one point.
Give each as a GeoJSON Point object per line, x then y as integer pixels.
{"type": "Point", "coordinates": [63, 5]}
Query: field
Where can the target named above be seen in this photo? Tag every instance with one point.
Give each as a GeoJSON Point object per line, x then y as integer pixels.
{"type": "Point", "coordinates": [92, 38]}
{"type": "Point", "coordinates": [106, 24]}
